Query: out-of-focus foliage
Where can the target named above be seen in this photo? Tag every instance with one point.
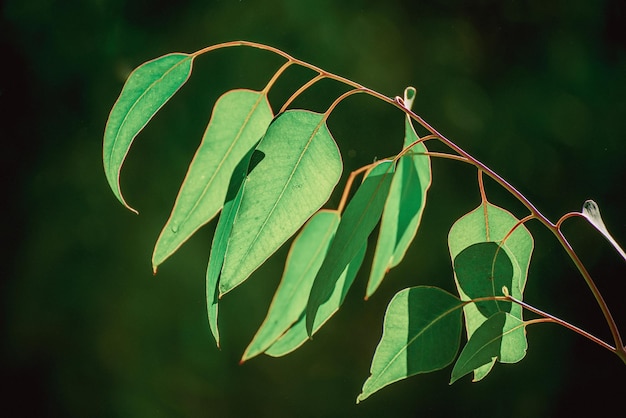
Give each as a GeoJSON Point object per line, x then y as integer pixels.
{"type": "Point", "coordinates": [536, 89]}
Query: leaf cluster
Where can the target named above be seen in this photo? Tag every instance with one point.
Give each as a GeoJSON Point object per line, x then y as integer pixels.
{"type": "Point", "coordinates": [269, 177]}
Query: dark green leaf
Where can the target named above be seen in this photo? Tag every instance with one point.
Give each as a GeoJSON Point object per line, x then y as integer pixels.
{"type": "Point", "coordinates": [361, 216]}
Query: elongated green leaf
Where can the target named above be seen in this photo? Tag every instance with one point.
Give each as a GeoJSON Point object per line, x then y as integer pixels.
{"type": "Point", "coordinates": [501, 337]}
{"type": "Point", "coordinates": [361, 216]}
{"type": "Point", "coordinates": [304, 260]}
{"type": "Point", "coordinates": [421, 333]}
{"type": "Point", "coordinates": [482, 270]}
{"type": "Point", "coordinates": [404, 206]}
{"type": "Point", "coordinates": [591, 212]}
{"type": "Point", "coordinates": [220, 237]}
{"type": "Point", "coordinates": [490, 223]}
{"type": "Point", "coordinates": [239, 120]}
{"type": "Point", "coordinates": [302, 166]}
{"type": "Point", "coordinates": [147, 89]}
{"type": "Point", "coordinates": [297, 334]}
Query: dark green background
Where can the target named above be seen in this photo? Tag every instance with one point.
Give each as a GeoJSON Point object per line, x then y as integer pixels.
{"type": "Point", "coordinates": [536, 89]}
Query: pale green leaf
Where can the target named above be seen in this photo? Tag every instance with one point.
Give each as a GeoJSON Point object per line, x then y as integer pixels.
{"type": "Point", "coordinates": [404, 206]}
{"type": "Point", "coordinates": [146, 90]}
{"type": "Point", "coordinates": [220, 237]}
{"type": "Point", "coordinates": [359, 219]}
{"type": "Point", "coordinates": [591, 212]}
{"type": "Point", "coordinates": [300, 169]}
{"type": "Point", "coordinates": [297, 334]}
{"type": "Point", "coordinates": [239, 120]}
{"type": "Point", "coordinates": [501, 337]}
{"type": "Point", "coordinates": [304, 260]}
{"type": "Point", "coordinates": [421, 333]}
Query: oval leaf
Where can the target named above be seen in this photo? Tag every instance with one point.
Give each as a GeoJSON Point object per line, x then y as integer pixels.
{"type": "Point", "coordinates": [361, 216]}
{"type": "Point", "coordinates": [300, 169]}
{"type": "Point", "coordinates": [304, 260]}
{"type": "Point", "coordinates": [147, 89]}
{"type": "Point", "coordinates": [421, 333]}
{"type": "Point", "coordinates": [239, 120]}
{"type": "Point", "coordinates": [501, 337]}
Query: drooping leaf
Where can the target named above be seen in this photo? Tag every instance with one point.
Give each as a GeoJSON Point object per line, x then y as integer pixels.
{"type": "Point", "coordinates": [301, 167]}
{"type": "Point", "coordinates": [404, 206]}
{"type": "Point", "coordinates": [421, 333]}
{"type": "Point", "coordinates": [591, 212]}
{"type": "Point", "coordinates": [239, 120]}
{"type": "Point", "coordinates": [490, 223]}
{"type": "Point", "coordinates": [359, 219]}
{"type": "Point", "coordinates": [304, 260]}
{"type": "Point", "coordinates": [501, 337]}
{"type": "Point", "coordinates": [482, 270]}
{"type": "Point", "coordinates": [221, 234]}
{"type": "Point", "coordinates": [146, 90]}
{"type": "Point", "coordinates": [297, 334]}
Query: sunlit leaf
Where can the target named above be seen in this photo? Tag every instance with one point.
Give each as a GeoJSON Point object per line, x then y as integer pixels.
{"type": "Point", "coordinates": [501, 337]}
{"type": "Point", "coordinates": [404, 206]}
{"type": "Point", "coordinates": [421, 333]}
{"type": "Point", "coordinates": [220, 237]}
{"type": "Point", "coordinates": [299, 171]}
{"type": "Point", "coordinates": [359, 219]}
{"type": "Point", "coordinates": [304, 260]}
{"type": "Point", "coordinates": [146, 90]}
{"type": "Point", "coordinates": [490, 223]}
{"type": "Point", "coordinates": [297, 334]}
{"type": "Point", "coordinates": [239, 120]}
{"type": "Point", "coordinates": [591, 212]}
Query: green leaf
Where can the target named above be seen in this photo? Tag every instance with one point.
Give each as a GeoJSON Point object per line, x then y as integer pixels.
{"type": "Point", "coordinates": [300, 169]}
{"type": "Point", "coordinates": [297, 334]}
{"type": "Point", "coordinates": [361, 216]}
{"type": "Point", "coordinates": [147, 89]}
{"type": "Point", "coordinates": [220, 237]}
{"type": "Point", "coordinates": [482, 270]}
{"type": "Point", "coordinates": [304, 260]}
{"type": "Point", "coordinates": [239, 120]}
{"type": "Point", "coordinates": [501, 337]}
{"type": "Point", "coordinates": [490, 223]}
{"type": "Point", "coordinates": [403, 208]}
{"type": "Point", "coordinates": [421, 333]}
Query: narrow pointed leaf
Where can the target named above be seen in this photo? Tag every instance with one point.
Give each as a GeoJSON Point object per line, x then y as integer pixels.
{"type": "Point", "coordinates": [360, 217]}
{"type": "Point", "coordinates": [239, 120]}
{"type": "Point", "coordinates": [297, 334]}
{"type": "Point", "coordinates": [220, 238]}
{"type": "Point", "coordinates": [404, 206]}
{"type": "Point", "coordinates": [146, 90]}
{"type": "Point", "coordinates": [490, 223]}
{"type": "Point", "coordinates": [591, 212]}
{"type": "Point", "coordinates": [304, 260]}
{"type": "Point", "coordinates": [300, 169]}
{"type": "Point", "coordinates": [421, 333]}
{"type": "Point", "coordinates": [501, 337]}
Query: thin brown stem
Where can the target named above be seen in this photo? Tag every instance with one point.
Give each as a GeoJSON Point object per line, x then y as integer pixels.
{"type": "Point", "coordinates": [300, 90]}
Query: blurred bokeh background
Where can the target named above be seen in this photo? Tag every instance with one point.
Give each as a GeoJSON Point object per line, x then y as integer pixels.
{"type": "Point", "coordinates": [536, 89]}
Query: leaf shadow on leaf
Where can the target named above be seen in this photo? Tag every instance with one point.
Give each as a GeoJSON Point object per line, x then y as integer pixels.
{"type": "Point", "coordinates": [482, 270]}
